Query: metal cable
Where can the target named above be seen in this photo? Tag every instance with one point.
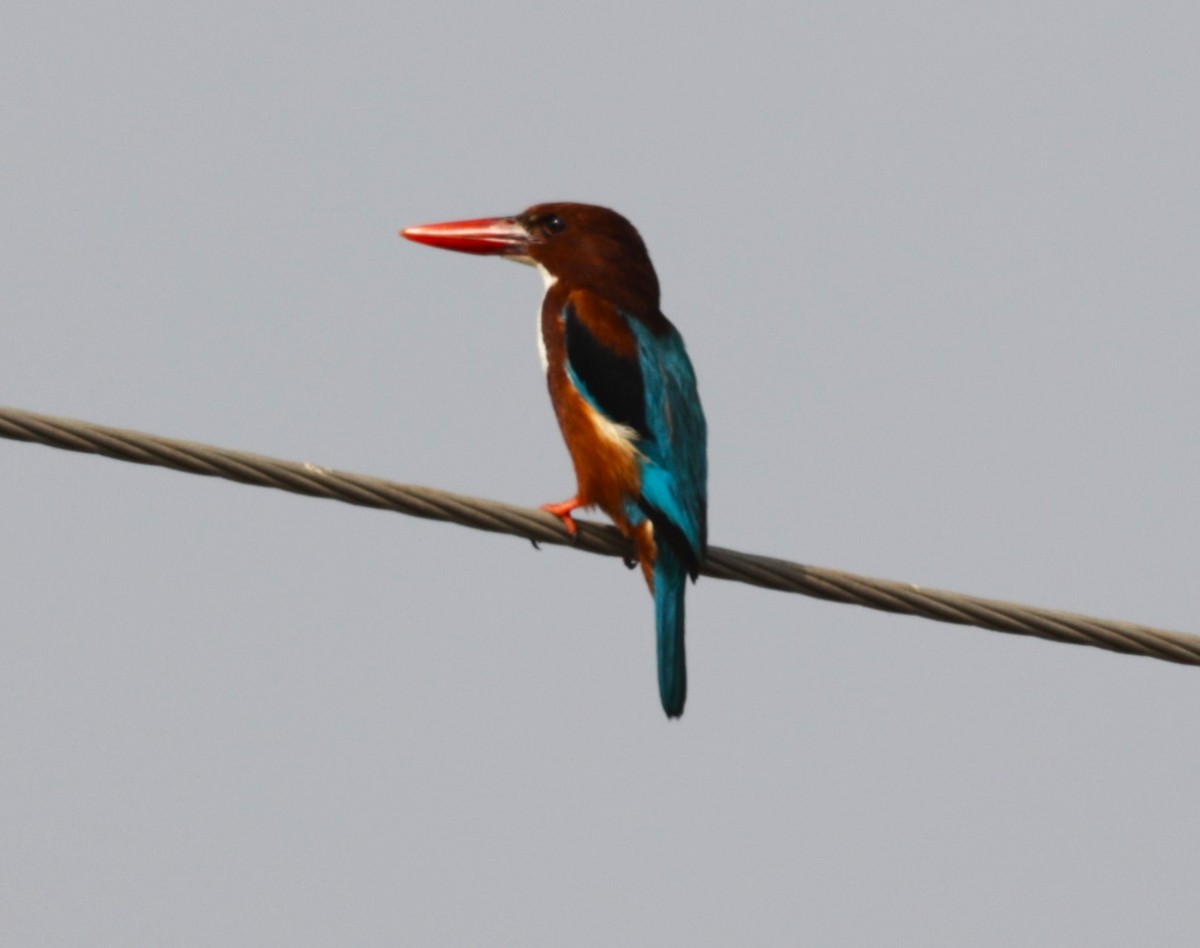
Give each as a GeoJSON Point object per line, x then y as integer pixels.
{"type": "Point", "coordinates": [541, 527]}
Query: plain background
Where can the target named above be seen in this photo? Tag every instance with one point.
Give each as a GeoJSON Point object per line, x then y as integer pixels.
{"type": "Point", "coordinates": [936, 264]}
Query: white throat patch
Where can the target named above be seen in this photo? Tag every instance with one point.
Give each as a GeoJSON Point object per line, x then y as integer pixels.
{"type": "Point", "coordinates": [549, 279]}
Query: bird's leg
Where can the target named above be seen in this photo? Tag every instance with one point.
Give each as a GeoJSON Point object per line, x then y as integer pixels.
{"type": "Point", "coordinates": [563, 512]}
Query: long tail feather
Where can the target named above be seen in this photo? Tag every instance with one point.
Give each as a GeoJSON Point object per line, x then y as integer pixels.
{"type": "Point", "coordinates": [670, 584]}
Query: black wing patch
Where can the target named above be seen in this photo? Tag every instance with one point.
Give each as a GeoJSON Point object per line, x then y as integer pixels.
{"type": "Point", "coordinates": [611, 382]}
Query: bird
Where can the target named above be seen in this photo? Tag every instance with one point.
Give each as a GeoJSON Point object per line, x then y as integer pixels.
{"type": "Point", "coordinates": [623, 391]}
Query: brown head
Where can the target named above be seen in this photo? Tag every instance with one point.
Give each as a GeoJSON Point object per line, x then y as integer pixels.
{"type": "Point", "coordinates": [580, 245]}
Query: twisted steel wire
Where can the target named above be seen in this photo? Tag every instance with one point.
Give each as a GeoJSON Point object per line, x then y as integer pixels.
{"type": "Point", "coordinates": [540, 527]}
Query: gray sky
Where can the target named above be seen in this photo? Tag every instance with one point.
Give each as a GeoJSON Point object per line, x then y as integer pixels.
{"type": "Point", "coordinates": [936, 265]}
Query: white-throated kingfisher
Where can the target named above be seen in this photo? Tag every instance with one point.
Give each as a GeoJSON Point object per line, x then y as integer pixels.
{"type": "Point", "coordinates": [623, 390]}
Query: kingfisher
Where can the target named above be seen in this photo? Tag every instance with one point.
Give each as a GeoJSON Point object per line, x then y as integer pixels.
{"type": "Point", "coordinates": [623, 391]}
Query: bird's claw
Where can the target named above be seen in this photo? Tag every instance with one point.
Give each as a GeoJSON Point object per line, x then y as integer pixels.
{"type": "Point", "coordinates": [563, 512]}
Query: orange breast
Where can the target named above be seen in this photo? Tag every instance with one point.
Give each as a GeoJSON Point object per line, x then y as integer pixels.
{"type": "Point", "coordinates": [604, 454]}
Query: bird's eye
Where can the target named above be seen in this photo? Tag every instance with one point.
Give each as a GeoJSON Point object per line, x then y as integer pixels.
{"type": "Point", "coordinates": [554, 224]}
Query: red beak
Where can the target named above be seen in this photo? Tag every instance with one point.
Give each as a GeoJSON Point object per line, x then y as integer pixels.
{"type": "Point", "coordinates": [492, 235]}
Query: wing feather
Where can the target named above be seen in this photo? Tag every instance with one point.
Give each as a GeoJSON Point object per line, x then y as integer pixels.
{"type": "Point", "coordinates": [675, 473]}
{"type": "Point", "coordinates": [642, 378]}
{"type": "Point", "coordinates": [610, 380]}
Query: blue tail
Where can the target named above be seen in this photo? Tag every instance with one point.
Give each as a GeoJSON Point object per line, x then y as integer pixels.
{"type": "Point", "coordinates": [670, 583]}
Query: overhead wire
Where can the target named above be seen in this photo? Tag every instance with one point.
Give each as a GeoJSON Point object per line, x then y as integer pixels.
{"type": "Point", "coordinates": [315, 480]}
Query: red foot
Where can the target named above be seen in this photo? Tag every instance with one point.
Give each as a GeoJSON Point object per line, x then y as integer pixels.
{"type": "Point", "coordinates": [563, 512]}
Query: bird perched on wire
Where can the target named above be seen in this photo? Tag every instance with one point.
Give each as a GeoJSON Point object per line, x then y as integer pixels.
{"type": "Point", "coordinates": [623, 390]}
